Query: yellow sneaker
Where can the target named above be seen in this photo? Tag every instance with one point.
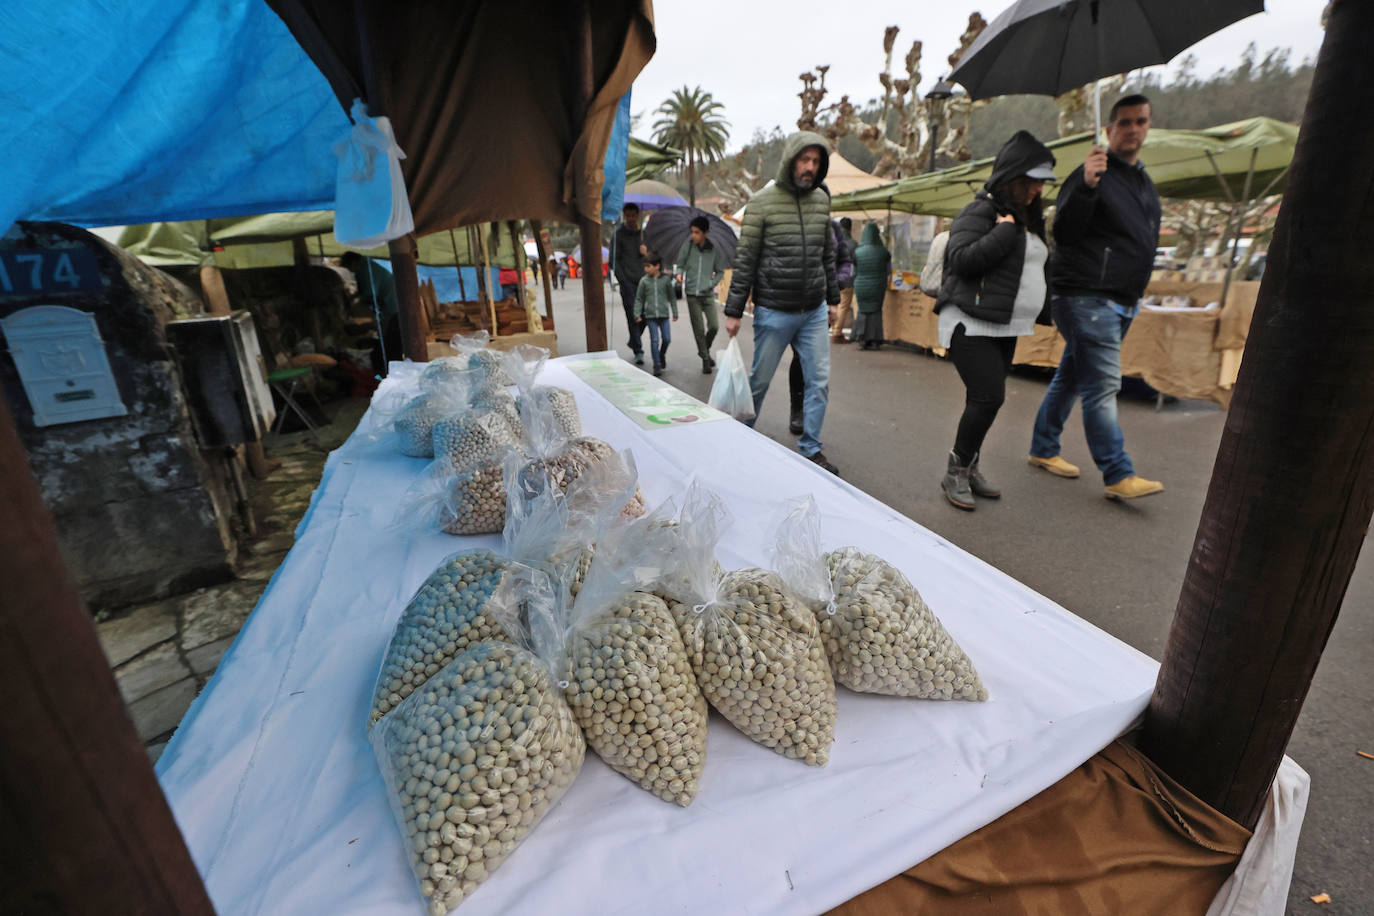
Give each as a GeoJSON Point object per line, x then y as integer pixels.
{"type": "Point", "coordinates": [1055, 465]}
{"type": "Point", "coordinates": [1133, 487]}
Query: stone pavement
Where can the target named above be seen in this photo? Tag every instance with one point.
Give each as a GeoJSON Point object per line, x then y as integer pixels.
{"type": "Point", "coordinates": [164, 653]}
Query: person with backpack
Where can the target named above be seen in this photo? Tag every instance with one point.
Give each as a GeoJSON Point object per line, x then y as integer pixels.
{"type": "Point", "coordinates": [994, 289]}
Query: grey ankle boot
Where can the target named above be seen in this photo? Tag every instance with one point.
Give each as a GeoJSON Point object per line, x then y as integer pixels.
{"type": "Point", "coordinates": [956, 484]}
{"type": "Point", "coordinates": [978, 483]}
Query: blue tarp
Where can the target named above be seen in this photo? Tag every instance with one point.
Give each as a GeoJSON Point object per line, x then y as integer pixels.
{"type": "Point", "coordinates": [613, 191]}
{"type": "Point", "coordinates": [446, 285]}
{"type": "Point", "coordinates": [138, 111]}
{"type": "Point", "coordinates": [134, 111]}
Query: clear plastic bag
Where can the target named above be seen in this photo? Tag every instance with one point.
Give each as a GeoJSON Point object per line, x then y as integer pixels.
{"type": "Point", "coordinates": [500, 401]}
{"type": "Point", "coordinates": [755, 648]}
{"type": "Point", "coordinates": [883, 638]}
{"type": "Point", "coordinates": [448, 613]}
{"type": "Point", "coordinates": [371, 206]}
{"type": "Point", "coordinates": [619, 658]}
{"type": "Point", "coordinates": [525, 364]}
{"type": "Point", "coordinates": [554, 460]}
{"type": "Point", "coordinates": [472, 438]}
{"type": "Point", "coordinates": [414, 423]}
{"type": "Point", "coordinates": [730, 392]}
{"type": "Point", "coordinates": [472, 762]}
{"type": "Point", "coordinates": [474, 350]}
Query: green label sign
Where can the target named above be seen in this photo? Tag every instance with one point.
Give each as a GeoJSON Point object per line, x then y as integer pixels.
{"type": "Point", "coordinates": [652, 403]}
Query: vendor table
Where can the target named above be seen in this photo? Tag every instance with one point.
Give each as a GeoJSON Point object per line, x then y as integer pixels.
{"type": "Point", "coordinates": [1183, 352]}
{"type": "Point", "coordinates": [282, 805]}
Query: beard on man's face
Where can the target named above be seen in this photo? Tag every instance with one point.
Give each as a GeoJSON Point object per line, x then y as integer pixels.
{"type": "Point", "coordinates": [806, 180]}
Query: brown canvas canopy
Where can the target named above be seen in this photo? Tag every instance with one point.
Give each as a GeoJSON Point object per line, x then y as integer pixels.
{"type": "Point", "coordinates": [484, 97]}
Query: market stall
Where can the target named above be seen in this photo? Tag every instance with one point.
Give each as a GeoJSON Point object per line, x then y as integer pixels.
{"type": "Point", "coordinates": [283, 808]}
{"type": "Point", "coordinates": [1185, 351]}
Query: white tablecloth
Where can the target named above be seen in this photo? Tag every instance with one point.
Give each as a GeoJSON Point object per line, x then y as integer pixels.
{"type": "Point", "coordinates": [283, 807]}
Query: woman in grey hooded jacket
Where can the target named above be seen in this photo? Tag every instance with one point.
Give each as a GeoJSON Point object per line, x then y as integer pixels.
{"type": "Point", "coordinates": [994, 290]}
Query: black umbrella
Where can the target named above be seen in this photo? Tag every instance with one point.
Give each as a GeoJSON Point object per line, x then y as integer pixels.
{"type": "Point", "coordinates": [668, 228]}
{"type": "Point", "coordinates": [1047, 47]}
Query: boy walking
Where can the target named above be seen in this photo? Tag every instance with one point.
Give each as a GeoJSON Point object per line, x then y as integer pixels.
{"type": "Point", "coordinates": [654, 302]}
{"type": "Point", "coordinates": [700, 267]}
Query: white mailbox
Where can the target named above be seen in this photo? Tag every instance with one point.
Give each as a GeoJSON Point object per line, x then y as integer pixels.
{"type": "Point", "coordinates": [62, 363]}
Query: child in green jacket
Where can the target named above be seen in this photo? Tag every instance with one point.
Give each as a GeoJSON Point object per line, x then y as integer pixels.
{"type": "Point", "coordinates": [654, 302]}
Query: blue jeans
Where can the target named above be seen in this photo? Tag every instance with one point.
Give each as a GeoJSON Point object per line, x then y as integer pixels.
{"type": "Point", "coordinates": [1089, 369]}
{"type": "Point", "coordinates": [659, 328]}
{"type": "Point", "coordinates": [808, 334]}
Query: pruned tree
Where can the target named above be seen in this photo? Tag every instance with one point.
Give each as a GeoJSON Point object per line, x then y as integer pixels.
{"type": "Point", "coordinates": [899, 134]}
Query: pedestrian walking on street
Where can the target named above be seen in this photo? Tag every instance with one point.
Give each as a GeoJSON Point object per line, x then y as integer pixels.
{"type": "Point", "coordinates": [786, 262]}
{"type": "Point", "coordinates": [561, 274]}
{"type": "Point", "coordinates": [654, 303]}
{"type": "Point", "coordinates": [627, 263]}
{"type": "Point", "coordinates": [994, 289]}
{"type": "Point", "coordinates": [699, 268]}
{"type": "Point", "coordinates": [847, 313]}
{"type": "Point", "coordinates": [872, 271]}
{"type": "Point", "coordinates": [1106, 228]}
{"type": "Point", "coordinates": [844, 278]}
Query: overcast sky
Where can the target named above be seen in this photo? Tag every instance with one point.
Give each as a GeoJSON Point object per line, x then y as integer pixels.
{"type": "Point", "coordinates": [748, 54]}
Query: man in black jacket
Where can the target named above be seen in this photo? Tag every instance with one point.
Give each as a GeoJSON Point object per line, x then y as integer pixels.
{"type": "Point", "coordinates": [1106, 228]}
{"type": "Point", "coordinates": [627, 263]}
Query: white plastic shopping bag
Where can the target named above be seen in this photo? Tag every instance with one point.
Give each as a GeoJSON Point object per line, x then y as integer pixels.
{"type": "Point", "coordinates": [730, 392]}
{"type": "Point", "coordinates": [370, 203]}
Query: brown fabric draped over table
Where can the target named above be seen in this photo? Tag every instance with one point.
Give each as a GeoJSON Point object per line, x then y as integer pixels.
{"type": "Point", "coordinates": [483, 97]}
{"type": "Point", "coordinates": [1114, 836]}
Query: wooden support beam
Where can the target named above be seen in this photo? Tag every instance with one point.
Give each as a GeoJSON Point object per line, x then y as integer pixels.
{"type": "Point", "coordinates": [212, 288]}
{"type": "Point", "coordinates": [84, 827]}
{"type": "Point", "coordinates": [1292, 491]}
{"type": "Point", "coordinates": [414, 327]}
{"type": "Point", "coordinates": [543, 252]}
{"type": "Point", "coordinates": [589, 224]}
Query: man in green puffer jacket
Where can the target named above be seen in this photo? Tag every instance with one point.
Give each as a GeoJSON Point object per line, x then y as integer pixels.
{"type": "Point", "coordinates": [786, 262]}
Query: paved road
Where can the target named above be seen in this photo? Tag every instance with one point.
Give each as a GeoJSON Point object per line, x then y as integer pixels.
{"type": "Point", "coordinates": [889, 426]}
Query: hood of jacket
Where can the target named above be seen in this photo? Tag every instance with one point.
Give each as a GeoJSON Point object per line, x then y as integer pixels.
{"type": "Point", "coordinates": [1018, 156]}
{"type": "Point", "coordinates": [792, 148]}
{"type": "Point", "coordinates": [871, 235]}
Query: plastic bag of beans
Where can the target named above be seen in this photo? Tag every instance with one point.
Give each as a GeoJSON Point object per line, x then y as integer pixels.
{"type": "Point", "coordinates": [472, 761]}
{"type": "Point", "coordinates": [755, 648]}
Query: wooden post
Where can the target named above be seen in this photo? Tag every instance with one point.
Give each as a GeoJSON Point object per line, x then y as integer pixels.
{"type": "Point", "coordinates": [1292, 491]}
{"type": "Point", "coordinates": [589, 224]}
{"type": "Point", "coordinates": [483, 277]}
{"type": "Point", "coordinates": [543, 253]}
{"type": "Point", "coordinates": [212, 286]}
{"type": "Point", "coordinates": [485, 254]}
{"type": "Point", "coordinates": [458, 265]}
{"type": "Point", "coordinates": [414, 327]}
{"type": "Point", "coordinates": [84, 827]}
{"type": "Point", "coordinates": [519, 250]}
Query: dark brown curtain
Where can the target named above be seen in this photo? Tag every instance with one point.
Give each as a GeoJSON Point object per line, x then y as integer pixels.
{"type": "Point", "coordinates": [484, 97]}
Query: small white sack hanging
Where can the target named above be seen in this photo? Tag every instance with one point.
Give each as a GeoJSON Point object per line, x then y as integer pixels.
{"type": "Point", "coordinates": [370, 203]}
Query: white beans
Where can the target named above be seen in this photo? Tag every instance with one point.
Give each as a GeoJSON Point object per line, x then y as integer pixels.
{"type": "Point", "coordinates": [476, 501]}
{"type": "Point", "coordinates": [758, 657]}
{"type": "Point", "coordinates": [447, 615]}
{"type": "Point", "coordinates": [472, 438]}
{"type": "Point", "coordinates": [883, 638]}
{"type": "Point", "coordinates": [632, 690]}
{"type": "Point", "coordinates": [561, 403]}
{"type": "Point", "coordinates": [472, 763]}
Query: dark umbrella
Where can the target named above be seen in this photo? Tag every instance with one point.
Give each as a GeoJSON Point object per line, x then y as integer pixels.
{"type": "Point", "coordinates": [668, 228]}
{"type": "Point", "coordinates": [1047, 47]}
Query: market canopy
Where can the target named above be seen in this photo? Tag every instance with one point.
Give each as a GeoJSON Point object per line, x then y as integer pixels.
{"type": "Point", "coordinates": [649, 160]}
{"type": "Point", "coordinates": [266, 241]}
{"type": "Point", "coordinates": [1183, 163]}
{"type": "Point", "coordinates": [133, 112]}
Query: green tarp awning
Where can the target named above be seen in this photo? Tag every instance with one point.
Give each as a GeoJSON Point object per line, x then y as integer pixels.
{"type": "Point", "coordinates": [647, 160]}
{"type": "Point", "coordinates": [1176, 159]}
{"type": "Point", "coordinates": [265, 241]}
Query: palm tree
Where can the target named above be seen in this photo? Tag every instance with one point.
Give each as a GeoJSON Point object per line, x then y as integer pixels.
{"type": "Point", "coordinates": [691, 122]}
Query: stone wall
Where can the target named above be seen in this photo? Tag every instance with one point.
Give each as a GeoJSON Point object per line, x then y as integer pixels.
{"type": "Point", "coordinates": [142, 513]}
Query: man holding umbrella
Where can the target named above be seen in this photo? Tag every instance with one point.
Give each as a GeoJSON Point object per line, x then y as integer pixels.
{"type": "Point", "coordinates": [1106, 228]}
{"type": "Point", "coordinates": [699, 267]}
